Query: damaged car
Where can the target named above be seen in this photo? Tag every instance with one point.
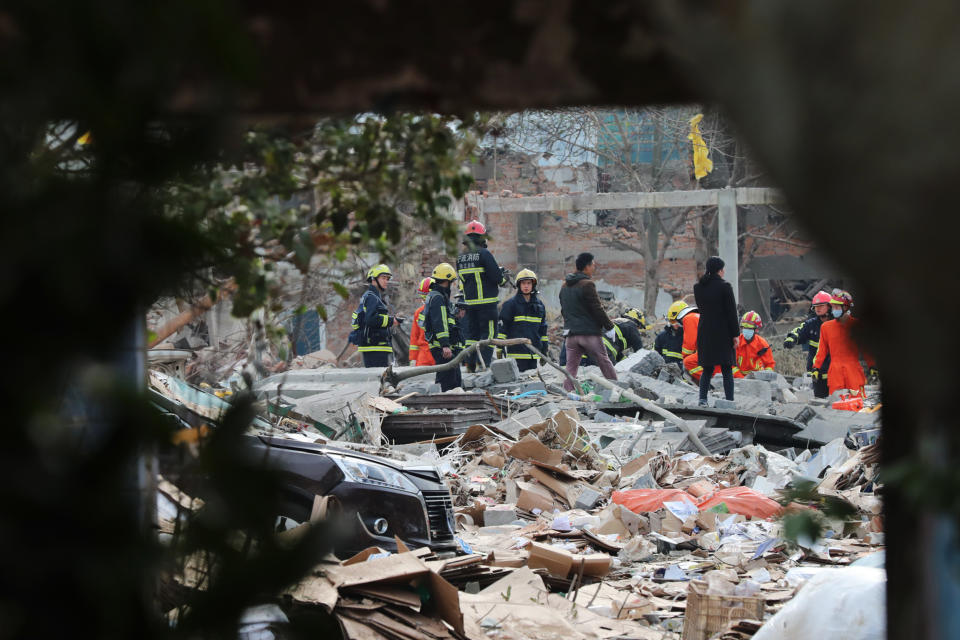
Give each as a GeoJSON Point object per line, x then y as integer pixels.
{"type": "Point", "coordinates": [376, 500]}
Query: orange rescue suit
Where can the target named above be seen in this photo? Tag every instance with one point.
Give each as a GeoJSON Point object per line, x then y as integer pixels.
{"type": "Point", "coordinates": [419, 349]}
{"type": "Point", "coordinates": [836, 341]}
{"type": "Point", "coordinates": [754, 355]}
{"type": "Point", "coordinates": [691, 323]}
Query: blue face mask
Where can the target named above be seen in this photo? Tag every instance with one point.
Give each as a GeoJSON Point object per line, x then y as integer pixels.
{"type": "Point", "coordinates": [748, 334]}
{"type": "Point", "coordinates": [836, 312]}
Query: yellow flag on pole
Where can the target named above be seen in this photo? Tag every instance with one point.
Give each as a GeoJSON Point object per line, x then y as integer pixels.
{"type": "Point", "coordinates": [702, 164]}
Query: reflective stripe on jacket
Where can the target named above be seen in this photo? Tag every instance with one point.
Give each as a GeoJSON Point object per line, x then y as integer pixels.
{"type": "Point", "coordinates": [480, 275]}
{"type": "Point", "coordinates": [437, 318]}
{"type": "Point", "coordinates": [373, 320]}
{"type": "Point", "coordinates": [669, 343]}
{"type": "Point", "coordinates": [754, 355]}
{"type": "Point", "coordinates": [520, 318]}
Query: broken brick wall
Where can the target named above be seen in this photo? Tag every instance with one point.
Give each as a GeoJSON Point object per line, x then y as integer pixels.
{"type": "Point", "coordinates": [561, 235]}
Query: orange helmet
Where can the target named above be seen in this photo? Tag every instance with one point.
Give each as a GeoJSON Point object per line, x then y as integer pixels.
{"type": "Point", "coordinates": [751, 320]}
{"type": "Point", "coordinates": [475, 226]}
{"type": "Point", "coordinates": [821, 297]}
{"type": "Point", "coordinates": [424, 287]}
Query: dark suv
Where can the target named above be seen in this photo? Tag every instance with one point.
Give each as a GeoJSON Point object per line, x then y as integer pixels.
{"type": "Point", "coordinates": [377, 499]}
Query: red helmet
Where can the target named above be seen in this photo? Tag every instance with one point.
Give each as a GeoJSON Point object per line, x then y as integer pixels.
{"type": "Point", "coordinates": [475, 226]}
{"type": "Point", "coordinates": [424, 287]}
{"type": "Point", "coordinates": [822, 297]}
{"type": "Point", "coordinates": [751, 320]}
{"type": "Point", "coordinates": [847, 298]}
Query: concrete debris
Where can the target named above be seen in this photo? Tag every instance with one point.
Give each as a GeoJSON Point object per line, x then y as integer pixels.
{"type": "Point", "coordinates": [505, 370]}
{"type": "Point", "coordinates": [644, 362]}
{"type": "Point", "coordinates": [572, 516]}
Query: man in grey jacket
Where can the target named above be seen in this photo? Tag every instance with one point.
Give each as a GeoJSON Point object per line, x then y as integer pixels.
{"type": "Point", "coordinates": [584, 320]}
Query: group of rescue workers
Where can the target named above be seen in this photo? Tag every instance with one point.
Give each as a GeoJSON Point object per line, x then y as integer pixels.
{"type": "Point", "coordinates": [444, 325]}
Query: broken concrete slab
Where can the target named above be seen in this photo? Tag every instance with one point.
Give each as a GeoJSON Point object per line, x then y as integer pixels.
{"type": "Point", "coordinates": [644, 362]}
{"type": "Point", "coordinates": [798, 411]}
{"type": "Point", "coordinates": [819, 431]}
{"type": "Point", "coordinates": [774, 378]}
{"type": "Point", "coordinates": [664, 391]}
{"type": "Point", "coordinates": [499, 515]}
{"type": "Point", "coordinates": [588, 499]}
{"type": "Point", "coordinates": [505, 370]}
{"type": "Point", "coordinates": [760, 389]}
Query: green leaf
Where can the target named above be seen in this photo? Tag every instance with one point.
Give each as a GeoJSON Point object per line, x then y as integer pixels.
{"type": "Point", "coordinates": [804, 523]}
{"type": "Point", "coordinates": [322, 312]}
{"type": "Point", "coordinates": [340, 289]}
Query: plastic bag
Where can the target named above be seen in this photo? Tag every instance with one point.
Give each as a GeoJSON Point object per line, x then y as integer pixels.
{"type": "Point", "coordinates": [847, 603]}
{"type": "Point", "coordinates": [743, 500]}
{"type": "Point", "coordinates": [645, 500]}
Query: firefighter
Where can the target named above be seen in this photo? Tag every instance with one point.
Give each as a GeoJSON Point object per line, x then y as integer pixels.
{"type": "Point", "coordinates": [480, 278]}
{"type": "Point", "coordinates": [689, 319]}
{"type": "Point", "coordinates": [439, 324]}
{"type": "Point", "coordinates": [669, 342]}
{"type": "Point", "coordinates": [370, 329]}
{"type": "Point", "coordinates": [419, 349]}
{"type": "Point", "coordinates": [753, 351]}
{"type": "Point", "coordinates": [626, 335]}
{"type": "Point", "coordinates": [844, 370]}
{"type": "Point", "coordinates": [808, 335]}
{"type": "Point", "coordinates": [524, 316]}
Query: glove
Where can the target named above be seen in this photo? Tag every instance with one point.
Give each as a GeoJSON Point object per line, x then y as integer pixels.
{"type": "Point", "coordinates": [789, 343]}
{"type": "Point", "coordinates": [874, 372]}
{"type": "Point", "coordinates": [611, 334]}
{"type": "Point", "coordinates": [816, 374]}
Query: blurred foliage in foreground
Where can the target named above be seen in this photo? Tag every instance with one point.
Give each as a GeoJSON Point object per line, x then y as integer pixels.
{"type": "Point", "coordinates": [94, 232]}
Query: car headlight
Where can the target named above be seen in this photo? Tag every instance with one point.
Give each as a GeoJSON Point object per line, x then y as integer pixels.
{"type": "Point", "coordinates": [366, 472]}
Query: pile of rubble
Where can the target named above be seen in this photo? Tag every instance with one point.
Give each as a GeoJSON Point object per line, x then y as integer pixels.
{"type": "Point", "coordinates": [620, 511]}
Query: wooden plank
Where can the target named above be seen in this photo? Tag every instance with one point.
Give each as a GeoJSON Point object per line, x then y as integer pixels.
{"type": "Point", "coordinates": [627, 200]}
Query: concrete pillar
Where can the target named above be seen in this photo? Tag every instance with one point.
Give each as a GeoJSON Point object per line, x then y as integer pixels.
{"type": "Point", "coordinates": [727, 230]}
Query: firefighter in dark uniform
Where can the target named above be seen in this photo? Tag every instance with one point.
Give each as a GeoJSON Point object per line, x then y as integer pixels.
{"type": "Point", "coordinates": [524, 316]}
{"type": "Point", "coordinates": [808, 335]}
{"type": "Point", "coordinates": [439, 325]}
{"type": "Point", "coordinates": [372, 320]}
{"type": "Point", "coordinates": [480, 279]}
{"type": "Point", "coordinates": [669, 343]}
{"type": "Point", "coordinates": [626, 335]}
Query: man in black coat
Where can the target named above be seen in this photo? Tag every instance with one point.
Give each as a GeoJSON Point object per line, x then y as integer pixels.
{"type": "Point", "coordinates": [718, 331]}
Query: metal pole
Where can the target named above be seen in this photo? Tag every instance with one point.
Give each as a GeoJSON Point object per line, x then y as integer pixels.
{"type": "Point", "coordinates": [727, 228]}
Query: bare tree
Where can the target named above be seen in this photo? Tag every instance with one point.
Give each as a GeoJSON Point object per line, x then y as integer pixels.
{"type": "Point", "coordinates": [634, 150]}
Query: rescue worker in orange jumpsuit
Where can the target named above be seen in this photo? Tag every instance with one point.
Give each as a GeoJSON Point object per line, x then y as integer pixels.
{"type": "Point", "coordinates": [689, 319]}
{"type": "Point", "coordinates": [753, 351]}
{"type": "Point", "coordinates": [419, 348]}
{"type": "Point", "coordinates": [836, 341]}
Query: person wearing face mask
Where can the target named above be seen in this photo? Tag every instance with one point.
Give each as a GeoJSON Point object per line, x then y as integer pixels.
{"type": "Point", "coordinates": [753, 351]}
{"type": "Point", "coordinates": [808, 335]}
{"type": "Point", "coordinates": [836, 341]}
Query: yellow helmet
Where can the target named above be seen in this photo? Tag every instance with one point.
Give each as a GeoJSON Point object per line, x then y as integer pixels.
{"type": "Point", "coordinates": [675, 309]}
{"type": "Point", "coordinates": [378, 270]}
{"type": "Point", "coordinates": [443, 271]}
{"type": "Point", "coordinates": [637, 316]}
{"type": "Point", "coordinates": [526, 274]}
